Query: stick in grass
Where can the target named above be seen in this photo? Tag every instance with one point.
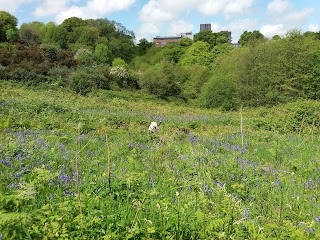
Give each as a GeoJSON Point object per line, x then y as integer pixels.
{"type": "Point", "coordinates": [241, 131]}
{"type": "Point", "coordinates": [109, 163]}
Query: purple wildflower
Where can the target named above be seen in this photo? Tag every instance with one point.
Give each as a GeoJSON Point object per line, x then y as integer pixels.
{"type": "Point", "coordinates": [64, 177]}
{"type": "Point", "coordinates": [246, 214]}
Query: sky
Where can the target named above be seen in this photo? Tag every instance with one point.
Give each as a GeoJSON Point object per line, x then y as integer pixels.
{"type": "Point", "coordinates": [151, 18]}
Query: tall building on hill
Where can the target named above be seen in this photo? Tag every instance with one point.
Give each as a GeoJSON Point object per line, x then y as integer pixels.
{"type": "Point", "coordinates": [204, 27]}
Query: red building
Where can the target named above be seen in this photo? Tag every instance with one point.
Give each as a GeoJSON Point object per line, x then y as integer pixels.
{"type": "Point", "coordinates": [162, 41]}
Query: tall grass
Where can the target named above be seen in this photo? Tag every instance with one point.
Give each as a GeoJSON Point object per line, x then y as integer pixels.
{"type": "Point", "coordinates": [256, 181]}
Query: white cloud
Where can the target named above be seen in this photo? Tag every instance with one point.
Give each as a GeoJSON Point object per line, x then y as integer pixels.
{"type": "Point", "coordinates": [297, 17]}
{"type": "Point", "coordinates": [50, 8]}
{"type": "Point", "coordinates": [92, 9]}
{"type": "Point", "coordinates": [225, 7]}
{"type": "Point", "coordinates": [243, 25]}
{"type": "Point", "coordinates": [279, 6]}
{"type": "Point", "coordinates": [313, 27]}
{"type": "Point", "coordinates": [270, 30]}
{"type": "Point", "coordinates": [215, 27]}
{"type": "Point", "coordinates": [147, 29]}
{"type": "Point", "coordinates": [179, 26]}
{"type": "Point", "coordinates": [13, 5]}
{"type": "Point", "coordinates": [154, 12]}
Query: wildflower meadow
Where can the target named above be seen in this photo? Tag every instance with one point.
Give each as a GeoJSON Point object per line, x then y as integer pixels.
{"type": "Point", "coordinates": [74, 167]}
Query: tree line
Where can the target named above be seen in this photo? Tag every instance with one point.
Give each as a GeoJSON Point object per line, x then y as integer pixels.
{"type": "Point", "coordinates": [84, 55]}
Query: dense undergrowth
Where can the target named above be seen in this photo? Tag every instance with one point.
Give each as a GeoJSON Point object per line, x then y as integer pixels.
{"type": "Point", "coordinates": [238, 175]}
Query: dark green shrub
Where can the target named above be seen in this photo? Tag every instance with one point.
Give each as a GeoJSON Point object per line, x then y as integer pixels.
{"type": "Point", "coordinates": [59, 75]}
{"type": "Point", "coordinates": [220, 92]}
{"type": "Point", "coordinates": [161, 80]}
{"type": "Point", "coordinates": [23, 75]}
{"type": "Point", "coordinates": [84, 80]}
{"type": "Point", "coordinates": [50, 52]}
{"type": "Point", "coordinates": [3, 72]}
{"type": "Point", "coordinates": [65, 58]}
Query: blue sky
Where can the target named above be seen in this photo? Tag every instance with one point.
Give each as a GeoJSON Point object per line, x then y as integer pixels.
{"type": "Point", "coordinates": [150, 18]}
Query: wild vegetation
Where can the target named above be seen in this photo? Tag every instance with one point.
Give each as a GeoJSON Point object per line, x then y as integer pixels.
{"type": "Point", "coordinates": [243, 175]}
{"type": "Point", "coordinates": [237, 155]}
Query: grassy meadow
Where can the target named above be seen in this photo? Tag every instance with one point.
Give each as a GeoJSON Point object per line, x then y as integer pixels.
{"type": "Point", "coordinates": [74, 167]}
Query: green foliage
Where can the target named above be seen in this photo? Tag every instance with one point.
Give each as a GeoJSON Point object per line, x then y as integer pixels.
{"type": "Point", "coordinates": [143, 46]}
{"type": "Point", "coordinates": [161, 80]}
{"type": "Point", "coordinates": [119, 62]}
{"type": "Point", "coordinates": [220, 92]}
{"type": "Point", "coordinates": [59, 75]}
{"type": "Point", "coordinates": [12, 35]}
{"type": "Point", "coordinates": [122, 47]}
{"type": "Point", "coordinates": [71, 23]}
{"type": "Point", "coordinates": [185, 42]}
{"type": "Point", "coordinates": [55, 35]}
{"type": "Point", "coordinates": [197, 75]}
{"type": "Point", "coordinates": [84, 80]}
{"type": "Point", "coordinates": [171, 53]}
{"type": "Point", "coordinates": [50, 52]}
{"type": "Point", "coordinates": [248, 38]}
{"type": "Point", "coordinates": [30, 34]}
{"type": "Point", "coordinates": [197, 53]}
{"type": "Point", "coordinates": [85, 57]}
{"type": "Point", "coordinates": [102, 53]}
{"type": "Point", "coordinates": [29, 77]}
{"type": "Point", "coordinates": [274, 72]}
{"type": "Point", "coordinates": [301, 117]}
{"type": "Point", "coordinates": [84, 35]}
{"type": "Point", "coordinates": [212, 38]}
{"type": "Point", "coordinates": [7, 22]}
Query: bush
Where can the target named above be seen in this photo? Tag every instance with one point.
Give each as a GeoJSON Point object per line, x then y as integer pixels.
{"type": "Point", "coordinates": [161, 81]}
{"type": "Point", "coordinates": [23, 75]}
{"type": "Point", "coordinates": [85, 57]}
{"type": "Point", "coordinates": [220, 92]}
{"type": "Point", "coordinates": [59, 75]}
{"type": "Point", "coordinates": [50, 52]}
{"type": "Point", "coordinates": [84, 80]}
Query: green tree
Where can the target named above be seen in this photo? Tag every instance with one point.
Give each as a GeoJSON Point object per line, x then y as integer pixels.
{"type": "Point", "coordinates": [276, 37]}
{"type": "Point", "coordinates": [85, 36]}
{"type": "Point", "coordinates": [71, 23]}
{"type": "Point", "coordinates": [250, 37]}
{"type": "Point", "coordinates": [212, 38]}
{"type": "Point", "coordinates": [143, 46]}
{"type": "Point", "coordinates": [7, 22]}
{"type": "Point", "coordinates": [222, 49]}
{"type": "Point", "coordinates": [122, 47]}
{"type": "Point", "coordinates": [171, 52]}
{"type": "Point", "coordinates": [197, 75]}
{"type": "Point", "coordinates": [85, 57]}
{"type": "Point", "coordinates": [12, 35]}
{"type": "Point", "coordinates": [119, 62]}
{"type": "Point", "coordinates": [55, 35]}
{"type": "Point", "coordinates": [197, 53]}
{"type": "Point", "coordinates": [102, 53]}
{"type": "Point", "coordinates": [206, 36]}
{"type": "Point", "coordinates": [185, 42]}
{"type": "Point", "coordinates": [30, 33]}
{"type": "Point", "coordinates": [220, 92]}
{"type": "Point", "coordinates": [106, 28]}
{"type": "Point", "coordinates": [160, 80]}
